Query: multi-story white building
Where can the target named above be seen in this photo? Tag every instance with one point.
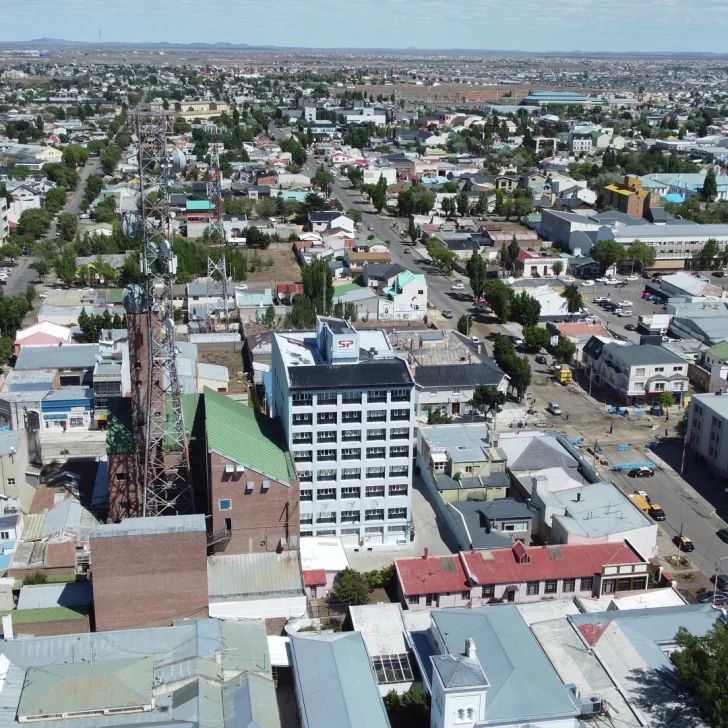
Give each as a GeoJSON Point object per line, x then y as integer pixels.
{"type": "Point", "coordinates": [636, 373]}
{"type": "Point", "coordinates": [346, 404]}
{"type": "Point", "coordinates": [707, 423]}
{"type": "Point", "coordinates": [4, 224]}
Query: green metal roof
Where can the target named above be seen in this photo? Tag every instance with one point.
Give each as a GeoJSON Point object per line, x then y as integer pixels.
{"type": "Point", "coordinates": [196, 205]}
{"type": "Point", "coordinates": [239, 433]}
{"type": "Point", "coordinates": [119, 429]}
{"type": "Point", "coordinates": [720, 351]}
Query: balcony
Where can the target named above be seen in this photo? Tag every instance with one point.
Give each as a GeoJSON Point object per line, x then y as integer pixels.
{"type": "Point", "coordinates": [351, 417]}
{"type": "Point", "coordinates": [323, 457]}
{"type": "Point", "coordinates": [400, 398]}
{"type": "Point", "coordinates": [302, 420]}
{"type": "Point", "coordinates": [355, 455]}
{"type": "Point", "coordinates": [351, 436]}
{"type": "Point", "coordinates": [303, 402]}
{"type": "Point", "coordinates": [303, 457]}
{"type": "Point", "coordinates": [326, 475]}
{"type": "Point", "coordinates": [351, 400]}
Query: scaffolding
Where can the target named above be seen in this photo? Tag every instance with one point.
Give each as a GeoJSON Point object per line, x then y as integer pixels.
{"type": "Point", "coordinates": [167, 490]}
{"type": "Point", "coordinates": [217, 283]}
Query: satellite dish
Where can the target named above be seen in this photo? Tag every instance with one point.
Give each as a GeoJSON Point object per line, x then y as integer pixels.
{"type": "Point", "coordinates": [177, 160]}
{"type": "Point", "coordinates": [173, 214]}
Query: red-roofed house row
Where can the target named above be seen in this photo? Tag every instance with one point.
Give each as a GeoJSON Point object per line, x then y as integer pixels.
{"type": "Point", "coordinates": [520, 574]}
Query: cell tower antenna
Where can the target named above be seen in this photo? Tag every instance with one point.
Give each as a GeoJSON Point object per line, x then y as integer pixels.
{"type": "Point", "coordinates": [167, 490]}
{"type": "Point", "coordinates": [217, 282]}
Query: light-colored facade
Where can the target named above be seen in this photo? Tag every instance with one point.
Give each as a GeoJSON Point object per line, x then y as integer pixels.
{"type": "Point", "coordinates": [4, 224]}
{"type": "Point", "coordinates": [346, 404]}
{"type": "Point", "coordinates": [707, 425]}
{"type": "Point", "coordinates": [405, 299]}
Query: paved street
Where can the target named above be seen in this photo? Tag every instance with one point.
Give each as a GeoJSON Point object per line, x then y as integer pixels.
{"type": "Point", "coordinates": [20, 277]}
{"type": "Point", "coordinates": [73, 203]}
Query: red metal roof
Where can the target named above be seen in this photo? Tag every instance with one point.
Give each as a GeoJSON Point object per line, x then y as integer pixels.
{"type": "Point", "coordinates": [314, 577]}
{"type": "Point", "coordinates": [502, 566]}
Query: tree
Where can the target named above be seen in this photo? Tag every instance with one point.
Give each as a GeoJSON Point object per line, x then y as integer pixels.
{"type": "Point", "coordinates": [303, 315]}
{"type": "Point", "coordinates": [350, 587]}
{"type": "Point", "coordinates": [709, 190]}
{"type": "Point", "coordinates": [513, 250]}
{"type": "Point", "coordinates": [642, 255]}
{"type": "Point", "coordinates": [525, 309]}
{"type": "Point", "coordinates": [354, 214]}
{"type": "Point", "coordinates": [607, 253]}
{"type": "Point", "coordinates": [324, 180]}
{"type": "Point", "coordinates": [499, 297]}
{"type": "Point", "coordinates": [666, 399]}
{"type": "Point", "coordinates": [66, 226]}
{"type": "Point", "coordinates": [574, 300]}
{"type": "Point", "coordinates": [409, 709]}
{"type": "Point", "coordinates": [74, 155]}
{"type": "Point", "coordinates": [520, 374]}
{"type": "Point", "coordinates": [536, 337]}
{"type": "Point", "coordinates": [269, 318]}
{"type": "Point", "coordinates": [65, 269]}
{"type": "Point", "coordinates": [705, 257]}
{"type": "Point", "coordinates": [316, 277]}
{"type": "Point", "coordinates": [463, 325]}
{"type": "Point", "coordinates": [504, 353]}
{"type": "Point", "coordinates": [34, 223]}
{"type": "Point", "coordinates": [558, 268]}
{"type": "Point", "coordinates": [181, 126]}
{"type": "Point", "coordinates": [565, 350]}
{"type": "Point", "coordinates": [477, 270]}
{"type": "Point", "coordinates": [6, 350]}
{"type": "Point", "coordinates": [55, 199]}
{"type": "Point", "coordinates": [701, 664]}
{"type": "Point", "coordinates": [413, 231]}
{"type": "Point", "coordinates": [463, 204]}
{"type": "Point", "coordinates": [435, 416]}
{"type": "Point", "coordinates": [130, 272]}
{"type": "Point", "coordinates": [42, 268]}
{"type": "Point", "coordinates": [30, 294]}
{"type": "Point", "coordinates": [486, 399]}
{"type": "Point", "coordinates": [266, 207]}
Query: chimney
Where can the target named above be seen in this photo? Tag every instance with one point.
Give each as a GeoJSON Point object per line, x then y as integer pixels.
{"type": "Point", "coordinates": [470, 648]}
{"type": "Point", "coordinates": [578, 496]}
{"type": "Point", "coordinates": [8, 626]}
{"type": "Point", "coordinates": [426, 556]}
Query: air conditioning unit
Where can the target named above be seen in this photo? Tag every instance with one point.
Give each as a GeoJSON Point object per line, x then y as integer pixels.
{"type": "Point", "coordinates": [589, 705]}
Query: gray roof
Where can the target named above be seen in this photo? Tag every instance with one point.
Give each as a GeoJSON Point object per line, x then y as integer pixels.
{"type": "Point", "coordinates": [480, 515]}
{"type": "Point", "coordinates": [639, 354]}
{"type": "Point", "coordinates": [536, 453]}
{"type": "Point", "coordinates": [459, 671]}
{"type": "Point", "coordinates": [494, 480]}
{"type": "Point", "coordinates": [70, 356]}
{"type": "Point", "coordinates": [30, 379]}
{"type": "Point", "coordinates": [69, 516]}
{"type": "Point", "coordinates": [383, 270]}
{"type": "Point", "coordinates": [45, 596]}
{"type": "Point", "coordinates": [252, 576]}
{"type": "Point", "coordinates": [69, 394]}
{"type": "Point", "coordinates": [150, 526]}
{"type": "Point", "coordinates": [614, 216]}
{"type": "Point", "coordinates": [336, 682]}
{"type": "Point", "coordinates": [524, 687]}
{"type": "Point", "coordinates": [459, 375]}
{"type": "Point", "coordinates": [380, 372]}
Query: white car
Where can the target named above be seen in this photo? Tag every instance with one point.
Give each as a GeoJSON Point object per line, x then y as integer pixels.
{"type": "Point", "coordinates": [241, 287]}
{"type": "Point", "coordinates": [587, 283]}
{"type": "Point", "coordinates": [42, 295]}
{"type": "Point", "coordinates": [458, 286]}
{"type": "Point", "coordinates": [704, 279]}
{"type": "Point", "coordinates": [613, 282]}
{"type": "Point", "coordinates": [632, 278]}
{"type": "Point", "coordinates": [625, 304]}
{"type": "Point", "coordinates": [569, 280]}
{"type": "Point", "coordinates": [603, 279]}
{"type": "Point", "coordinates": [600, 299]}
{"type": "Point", "coordinates": [623, 312]}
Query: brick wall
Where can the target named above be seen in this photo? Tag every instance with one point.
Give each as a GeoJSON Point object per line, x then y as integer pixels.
{"type": "Point", "coordinates": [258, 518]}
{"type": "Point", "coordinates": [149, 580]}
{"type": "Point", "coordinates": [125, 487]}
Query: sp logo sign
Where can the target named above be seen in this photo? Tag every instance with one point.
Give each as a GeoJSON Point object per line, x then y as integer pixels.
{"type": "Point", "coordinates": [344, 343]}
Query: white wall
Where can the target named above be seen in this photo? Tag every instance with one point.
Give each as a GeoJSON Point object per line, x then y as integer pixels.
{"type": "Point", "coordinates": [288, 607]}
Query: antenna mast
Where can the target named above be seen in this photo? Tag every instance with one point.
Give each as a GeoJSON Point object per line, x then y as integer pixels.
{"type": "Point", "coordinates": [167, 490]}
{"type": "Point", "coordinates": [217, 283]}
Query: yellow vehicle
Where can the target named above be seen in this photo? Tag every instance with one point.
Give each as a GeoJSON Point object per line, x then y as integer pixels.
{"type": "Point", "coordinates": [651, 509]}
{"type": "Point", "coordinates": [563, 373]}
{"type": "Point", "coordinates": [641, 502]}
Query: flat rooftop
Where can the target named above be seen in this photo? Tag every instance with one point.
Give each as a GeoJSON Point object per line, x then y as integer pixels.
{"type": "Point", "coordinates": [466, 443]}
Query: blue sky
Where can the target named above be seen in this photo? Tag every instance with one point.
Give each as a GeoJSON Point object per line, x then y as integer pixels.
{"type": "Point", "coordinates": [531, 25]}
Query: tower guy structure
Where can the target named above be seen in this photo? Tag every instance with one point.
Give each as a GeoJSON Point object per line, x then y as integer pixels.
{"type": "Point", "coordinates": [217, 283]}
{"type": "Point", "coordinates": [165, 467]}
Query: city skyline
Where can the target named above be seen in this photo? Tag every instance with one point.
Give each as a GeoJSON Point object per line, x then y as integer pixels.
{"type": "Point", "coordinates": [651, 26]}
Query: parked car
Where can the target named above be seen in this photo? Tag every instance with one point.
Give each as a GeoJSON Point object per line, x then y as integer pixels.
{"type": "Point", "coordinates": [447, 314]}
{"type": "Point", "coordinates": [684, 544]}
{"type": "Point", "coordinates": [641, 472]}
{"type": "Point", "coordinates": [722, 534]}
{"type": "Point", "coordinates": [569, 279]}
{"type": "Point", "coordinates": [554, 408]}
{"type": "Point", "coordinates": [623, 312]}
{"type": "Point", "coordinates": [630, 327]}
{"type": "Point", "coordinates": [632, 278]}
{"type": "Point", "coordinates": [602, 279]}
{"type": "Point", "coordinates": [407, 251]}
{"type": "Point", "coordinates": [541, 359]}
{"type": "Point", "coordinates": [721, 598]}
{"type": "Point", "coordinates": [587, 283]}
{"type": "Point", "coordinates": [42, 295]}
{"type": "Point", "coordinates": [600, 299]}
{"type": "Point", "coordinates": [721, 581]}
{"type": "Point", "coordinates": [458, 286]}
{"type": "Point", "coordinates": [625, 304]}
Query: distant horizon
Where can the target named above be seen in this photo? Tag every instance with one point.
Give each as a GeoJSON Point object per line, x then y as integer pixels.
{"type": "Point", "coordinates": [661, 27]}
{"type": "Point", "coordinates": [223, 45]}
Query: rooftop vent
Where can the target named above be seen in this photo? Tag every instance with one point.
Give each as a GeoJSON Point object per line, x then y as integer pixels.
{"type": "Point", "coordinates": [448, 564]}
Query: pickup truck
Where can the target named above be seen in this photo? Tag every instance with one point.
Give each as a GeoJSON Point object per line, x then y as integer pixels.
{"type": "Point", "coordinates": [646, 506]}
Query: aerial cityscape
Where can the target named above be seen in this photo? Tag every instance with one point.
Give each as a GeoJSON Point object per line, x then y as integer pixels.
{"type": "Point", "coordinates": [356, 375]}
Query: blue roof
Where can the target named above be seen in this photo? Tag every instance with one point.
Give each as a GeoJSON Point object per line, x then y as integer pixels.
{"type": "Point", "coordinates": [674, 197]}
{"type": "Point", "coordinates": [336, 682]}
{"type": "Point", "coordinates": [523, 684]}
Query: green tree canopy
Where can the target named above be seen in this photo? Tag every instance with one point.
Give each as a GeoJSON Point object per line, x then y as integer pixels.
{"type": "Point", "coordinates": [477, 270]}
{"type": "Point", "coordinates": [641, 254]}
{"type": "Point", "coordinates": [536, 337]}
{"type": "Point", "coordinates": [607, 253]}
{"type": "Point", "coordinates": [574, 301]}
{"type": "Point", "coordinates": [350, 587]}
{"type": "Point", "coordinates": [316, 277]}
{"type": "Point", "coordinates": [709, 191]}
{"type": "Point", "coordinates": [66, 226]}
{"type": "Point", "coordinates": [525, 309]}
{"type": "Point", "coordinates": [565, 350]}
{"type": "Point", "coordinates": [487, 398]}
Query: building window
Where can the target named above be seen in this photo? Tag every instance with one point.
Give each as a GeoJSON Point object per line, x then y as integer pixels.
{"type": "Point", "coordinates": [350, 492]}
{"type": "Point", "coordinates": [586, 584]}
{"type": "Point", "coordinates": [468, 468]}
{"type": "Point", "coordinates": [327, 398]}
{"type": "Point", "coordinates": [306, 534]}
{"type": "Point", "coordinates": [306, 495]}
{"type": "Point", "coordinates": [677, 369]}
{"type": "Point", "coordinates": [399, 451]}
{"type": "Point", "coordinates": [326, 455]}
{"type": "Point", "coordinates": [377, 416]}
{"type": "Point", "coordinates": [395, 513]}
{"type": "Point", "coordinates": [551, 586]}
{"type": "Point", "coordinates": [225, 504]}
{"type": "Point", "coordinates": [533, 587]}
{"type": "Point", "coordinates": [400, 414]}
{"type": "Point", "coordinates": [377, 395]}
{"type": "Point", "coordinates": [398, 471]}
{"type": "Point", "coordinates": [302, 400]}
{"type": "Point", "coordinates": [324, 418]}
{"type": "Point", "coordinates": [398, 489]}
{"type": "Point", "coordinates": [375, 453]}
{"type": "Point", "coordinates": [301, 419]}
{"type": "Point", "coordinates": [303, 456]}
{"type": "Point", "coordinates": [608, 586]}
{"type": "Point", "coordinates": [326, 494]}
{"type": "Point", "coordinates": [569, 585]}
{"type": "Point", "coordinates": [374, 514]}
{"type": "Point", "coordinates": [640, 583]}
{"type": "Point", "coordinates": [400, 395]}
{"type": "Point", "coordinates": [374, 491]}
{"type": "Point", "coordinates": [624, 584]}
{"type": "Point", "coordinates": [351, 453]}
{"type": "Point", "coordinates": [326, 475]}
{"type": "Point", "coordinates": [639, 386]}
{"type": "Point", "coordinates": [329, 517]}
{"type": "Point", "coordinates": [302, 438]}
{"type": "Point", "coordinates": [351, 398]}
{"type": "Point", "coordinates": [376, 472]}
{"type": "Point", "coordinates": [351, 416]}
{"type": "Point", "coordinates": [350, 516]}
{"type": "Point", "coordinates": [516, 526]}
{"type": "Point", "coordinates": [306, 519]}
{"type": "Point", "coordinates": [413, 599]}
{"type": "Point", "coordinates": [5, 535]}
{"type": "Point", "coordinates": [399, 433]}
{"type": "Point", "coordinates": [326, 436]}
{"type": "Point", "coordinates": [76, 422]}
{"type": "Point", "coordinates": [488, 590]}
{"type": "Point", "coordinates": [376, 435]}
{"type": "Point", "coordinates": [351, 474]}
{"type": "Point", "coordinates": [351, 436]}
{"type": "Point", "coordinates": [639, 372]}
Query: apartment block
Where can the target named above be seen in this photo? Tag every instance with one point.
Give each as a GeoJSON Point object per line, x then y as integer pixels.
{"type": "Point", "coordinates": [346, 405]}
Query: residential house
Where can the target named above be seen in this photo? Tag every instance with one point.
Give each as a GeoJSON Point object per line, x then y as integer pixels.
{"type": "Point", "coordinates": [520, 574]}
{"type": "Point", "coordinates": [635, 373]}
{"type": "Point", "coordinates": [536, 265]}
{"type": "Point", "coordinates": [322, 559]}
{"type": "Point", "coordinates": [490, 524]}
{"type": "Point", "coordinates": [328, 221]}
{"type": "Point", "coordinates": [405, 299]}
{"type": "Point", "coordinates": [42, 334]}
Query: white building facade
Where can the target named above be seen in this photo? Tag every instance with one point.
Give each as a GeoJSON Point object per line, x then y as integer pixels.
{"type": "Point", "coordinates": [346, 404]}
{"type": "Point", "coordinates": [707, 425]}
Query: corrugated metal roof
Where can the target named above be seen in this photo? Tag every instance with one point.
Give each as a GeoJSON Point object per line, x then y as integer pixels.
{"type": "Point", "coordinates": [336, 682]}
{"type": "Point", "coordinates": [248, 576]}
{"type": "Point", "coordinates": [150, 526]}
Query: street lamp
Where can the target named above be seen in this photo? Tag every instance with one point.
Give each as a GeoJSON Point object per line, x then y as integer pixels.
{"type": "Point", "coordinates": [715, 583]}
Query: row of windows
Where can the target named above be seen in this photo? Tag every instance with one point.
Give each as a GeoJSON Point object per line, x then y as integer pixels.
{"type": "Point", "coordinates": [375, 473]}
{"type": "Point", "coordinates": [352, 453]}
{"type": "Point", "coordinates": [302, 399]}
{"type": "Point", "coordinates": [371, 514]}
{"type": "Point", "coordinates": [371, 491]}
{"type": "Point", "coordinates": [332, 418]}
